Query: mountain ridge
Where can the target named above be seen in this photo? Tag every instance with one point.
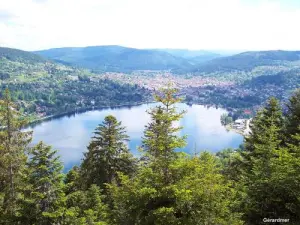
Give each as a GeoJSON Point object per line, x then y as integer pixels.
{"type": "Point", "coordinates": [116, 58]}
{"type": "Point", "coordinates": [247, 60]}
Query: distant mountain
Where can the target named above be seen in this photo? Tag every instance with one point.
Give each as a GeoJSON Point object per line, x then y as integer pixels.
{"type": "Point", "coordinates": [116, 58]}
{"type": "Point", "coordinates": [194, 55]}
{"type": "Point", "coordinates": [247, 61]}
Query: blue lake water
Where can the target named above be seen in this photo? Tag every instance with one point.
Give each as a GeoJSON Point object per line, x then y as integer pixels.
{"type": "Point", "coordinates": [70, 135]}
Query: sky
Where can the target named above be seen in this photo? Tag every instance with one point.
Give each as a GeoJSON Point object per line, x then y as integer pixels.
{"type": "Point", "coordinates": [189, 24]}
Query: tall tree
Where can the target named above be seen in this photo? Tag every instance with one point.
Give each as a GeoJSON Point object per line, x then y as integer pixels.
{"type": "Point", "coordinates": [107, 154]}
{"type": "Point", "coordinates": [43, 201]}
{"type": "Point", "coordinates": [285, 181]}
{"type": "Point", "coordinates": [265, 168]}
{"type": "Point", "coordinates": [160, 137]}
{"type": "Point", "coordinates": [13, 143]}
{"type": "Point", "coordinates": [269, 116]}
{"type": "Point", "coordinates": [171, 187]}
{"type": "Point", "coordinates": [292, 122]}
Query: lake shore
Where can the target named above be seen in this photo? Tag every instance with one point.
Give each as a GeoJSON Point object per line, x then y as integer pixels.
{"type": "Point", "coordinates": [244, 131]}
{"type": "Point", "coordinates": [70, 135]}
{"type": "Point", "coordinates": [82, 110]}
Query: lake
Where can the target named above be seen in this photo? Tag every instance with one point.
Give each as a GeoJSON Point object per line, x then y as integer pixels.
{"type": "Point", "coordinates": [70, 135]}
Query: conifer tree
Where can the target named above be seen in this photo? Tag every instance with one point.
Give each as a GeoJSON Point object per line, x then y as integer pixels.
{"type": "Point", "coordinates": [261, 199]}
{"type": "Point", "coordinates": [265, 194]}
{"type": "Point", "coordinates": [269, 116]}
{"type": "Point", "coordinates": [292, 122]}
{"type": "Point", "coordinates": [86, 207]}
{"type": "Point", "coordinates": [230, 162]}
{"type": "Point", "coordinates": [171, 187]}
{"type": "Point", "coordinates": [107, 154]}
{"type": "Point", "coordinates": [43, 201]}
{"type": "Point", "coordinates": [285, 180]}
{"type": "Point", "coordinates": [160, 137]}
{"type": "Point", "coordinates": [13, 144]}
{"type": "Point", "coordinates": [72, 180]}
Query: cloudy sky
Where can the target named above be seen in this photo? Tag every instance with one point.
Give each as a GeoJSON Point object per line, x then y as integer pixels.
{"type": "Point", "coordinates": [192, 24]}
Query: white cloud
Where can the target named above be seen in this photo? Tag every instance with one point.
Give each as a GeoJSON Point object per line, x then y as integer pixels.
{"type": "Point", "coordinates": [194, 24]}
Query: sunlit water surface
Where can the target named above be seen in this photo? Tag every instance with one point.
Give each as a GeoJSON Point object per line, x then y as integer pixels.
{"type": "Point", "coordinates": [71, 134]}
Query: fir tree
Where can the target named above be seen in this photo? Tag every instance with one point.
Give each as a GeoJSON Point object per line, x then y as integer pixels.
{"type": "Point", "coordinates": [43, 201]}
{"type": "Point", "coordinates": [171, 187]}
{"type": "Point", "coordinates": [266, 194]}
{"type": "Point", "coordinates": [86, 207]}
{"type": "Point", "coordinates": [107, 154]}
{"type": "Point", "coordinates": [160, 137]}
{"type": "Point", "coordinates": [292, 122]}
{"type": "Point", "coordinates": [285, 181]}
{"type": "Point", "coordinates": [270, 115]}
{"type": "Point", "coordinates": [13, 143]}
{"type": "Point", "coordinates": [72, 180]}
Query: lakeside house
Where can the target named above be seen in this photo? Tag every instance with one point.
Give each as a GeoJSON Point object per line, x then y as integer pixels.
{"type": "Point", "coordinates": [239, 124]}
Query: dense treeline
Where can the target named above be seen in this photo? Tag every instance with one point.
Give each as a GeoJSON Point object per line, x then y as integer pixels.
{"type": "Point", "coordinates": [252, 185]}
{"type": "Point", "coordinates": [51, 99]}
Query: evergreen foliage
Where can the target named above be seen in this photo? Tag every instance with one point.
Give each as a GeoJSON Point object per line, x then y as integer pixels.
{"type": "Point", "coordinates": [171, 187]}
{"type": "Point", "coordinates": [165, 186]}
{"type": "Point", "coordinates": [107, 154]}
{"type": "Point", "coordinates": [13, 143]}
{"type": "Point", "coordinates": [43, 197]}
{"type": "Point", "coordinates": [293, 117]}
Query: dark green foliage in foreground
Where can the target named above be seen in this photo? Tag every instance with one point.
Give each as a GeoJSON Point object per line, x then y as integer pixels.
{"type": "Point", "coordinates": [270, 169]}
{"type": "Point", "coordinates": [170, 187]}
{"type": "Point", "coordinates": [107, 154]}
{"type": "Point", "coordinates": [293, 117]}
{"type": "Point", "coordinates": [43, 197]}
{"type": "Point", "coordinates": [235, 186]}
{"type": "Point", "coordinates": [13, 144]}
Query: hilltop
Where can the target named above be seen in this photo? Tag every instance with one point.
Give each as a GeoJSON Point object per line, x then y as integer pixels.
{"type": "Point", "coordinates": [115, 58]}
{"type": "Point", "coordinates": [194, 56]}
{"type": "Point", "coordinates": [20, 55]}
{"type": "Point", "coordinates": [245, 66]}
{"type": "Point", "coordinates": [248, 60]}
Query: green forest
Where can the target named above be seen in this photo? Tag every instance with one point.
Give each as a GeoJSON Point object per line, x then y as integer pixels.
{"type": "Point", "coordinates": [257, 183]}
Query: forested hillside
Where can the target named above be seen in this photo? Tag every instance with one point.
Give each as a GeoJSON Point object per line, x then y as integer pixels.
{"type": "Point", "coordinates": [253, 185]}
{"type": "Point", "coordinates": [116, 58]}
{"type": "Point", "coordinates": [20, 56]}
{"type": "Point", "coordinates": [248, 60]}
{"type": "Point", "coordinates": [245, 66]}
{"type": "Point", "coordinates": [41, 87]}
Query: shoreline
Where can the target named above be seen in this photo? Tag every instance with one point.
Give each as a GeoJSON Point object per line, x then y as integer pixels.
{"type": "Point", "coordinates": [82, 110]}
{"type": "Point", "coordinates": [244, 132]}
{"type": "Point", "coordinates": [230, 128]}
